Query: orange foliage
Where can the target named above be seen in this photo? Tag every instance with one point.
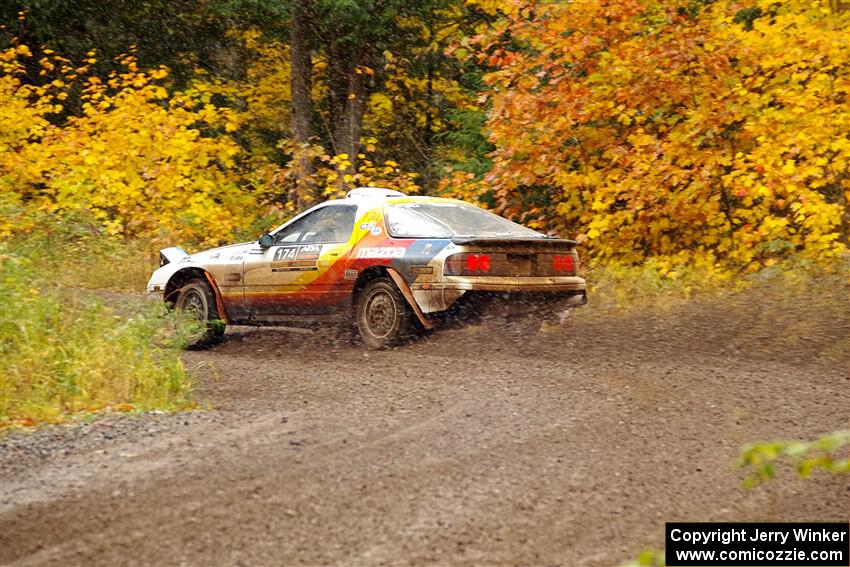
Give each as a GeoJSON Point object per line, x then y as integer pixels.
{"type": "Point", "coordinates": [688, 132]}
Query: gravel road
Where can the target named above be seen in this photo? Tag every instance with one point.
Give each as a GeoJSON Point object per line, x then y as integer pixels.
{"type": "Point", "coordinates": [467, 447]}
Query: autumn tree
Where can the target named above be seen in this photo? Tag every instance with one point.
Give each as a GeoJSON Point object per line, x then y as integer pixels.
{"type": "Point", "coordinates": [424, 112]}
{"type": "Point", "coordinates": [182, 34]}
{"type": "Point", "coordinates": [142, 162]}
{"type": "Point", "coordinates": [691, 132]}
{"type": "Point", "coordinates": [301, 84]}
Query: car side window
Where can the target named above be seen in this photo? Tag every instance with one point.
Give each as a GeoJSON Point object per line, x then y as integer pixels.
{"type": "Point", "coordinates": [328, 225]}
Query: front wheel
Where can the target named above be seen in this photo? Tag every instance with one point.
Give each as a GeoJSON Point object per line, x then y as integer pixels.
{"type": "Point", "coordinates": [196, 300]}
{"type": "Point", "coordinates": [383, 316]}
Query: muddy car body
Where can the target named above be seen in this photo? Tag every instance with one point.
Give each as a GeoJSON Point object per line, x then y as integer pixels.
{"type": "Point", "coordinates": [390, 261]}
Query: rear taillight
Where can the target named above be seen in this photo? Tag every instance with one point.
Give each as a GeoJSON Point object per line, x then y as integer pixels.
{"type": "Point", "coordinates": [563, 264]}
{"type": "Point", "coordinates": [518, 264]}
{"type": "Point", "coordinates": [468, 264]}
{"type": "Point", "coordinates": [478, 262]}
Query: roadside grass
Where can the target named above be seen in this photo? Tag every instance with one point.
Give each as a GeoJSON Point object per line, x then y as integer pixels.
{"type": "Point", "coordinates": [112, 265]}
{"type": "Point", "coordinates": [68, 351]}
{"type": "Point", "coordinates": [615, 287]}
{"type": "Point", "coordinates": [75, 253]}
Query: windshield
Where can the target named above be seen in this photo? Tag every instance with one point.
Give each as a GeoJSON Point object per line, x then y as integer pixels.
{"type": "Point", "coordinates": [447, 220]}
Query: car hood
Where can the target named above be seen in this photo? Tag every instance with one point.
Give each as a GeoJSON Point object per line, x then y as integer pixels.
{"type": "Point", "coordinates": [221, 253]}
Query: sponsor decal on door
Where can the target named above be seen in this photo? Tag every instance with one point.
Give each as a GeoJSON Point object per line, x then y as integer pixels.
{"type": "Point", "coordinates": [296, 258]}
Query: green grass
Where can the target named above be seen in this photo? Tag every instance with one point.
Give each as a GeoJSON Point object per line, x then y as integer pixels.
{"type": "Point", "coordinates": [67, 350]}
{"type": "Point", "coordinates": [827, 453]}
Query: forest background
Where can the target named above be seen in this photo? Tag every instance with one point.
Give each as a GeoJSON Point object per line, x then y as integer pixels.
{"type": "Point", "coordinates": [688, 146]}
{"type": "Point", "coordinates": [687, 134]}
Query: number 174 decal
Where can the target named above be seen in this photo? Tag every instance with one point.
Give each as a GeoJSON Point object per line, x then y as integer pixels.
{"type": "Point", "coordinates": [304, 257]}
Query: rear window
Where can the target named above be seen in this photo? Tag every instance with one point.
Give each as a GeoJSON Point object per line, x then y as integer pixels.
{"type": "Point", "coordinates": [448, 220]}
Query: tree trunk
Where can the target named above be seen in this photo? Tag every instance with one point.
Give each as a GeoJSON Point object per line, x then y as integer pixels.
{"type": "Point", "coordinates": [427, 138]}
{"type": "Point", "coordinates": [349, 87]}
{"type": "Point", "coordinates": [301, 82]}
{"type": "Point", "coordinates": [350, 124]}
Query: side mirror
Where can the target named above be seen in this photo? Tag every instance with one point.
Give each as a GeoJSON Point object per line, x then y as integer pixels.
{"type": "Point", "coordinates": [266, 241]}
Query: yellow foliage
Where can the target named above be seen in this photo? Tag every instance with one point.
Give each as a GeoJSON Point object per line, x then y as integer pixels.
{"type": "Point", "coordinates": [332, 176]}
{"type": "Point", "coordinates": [143, 163]}
{"type": "Point", "coordinates": [263, 94]}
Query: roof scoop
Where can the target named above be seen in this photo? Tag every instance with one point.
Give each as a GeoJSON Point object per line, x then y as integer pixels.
{"type": "Point", "coordinates": [372, 193]}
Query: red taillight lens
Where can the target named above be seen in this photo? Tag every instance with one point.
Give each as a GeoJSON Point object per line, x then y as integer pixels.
{"type": "Point", "coordinates": [467, 264]}
{"type": "Point", "coordinates": [478, 263]}
{"type": "Point", "coordinates": [563, 263]}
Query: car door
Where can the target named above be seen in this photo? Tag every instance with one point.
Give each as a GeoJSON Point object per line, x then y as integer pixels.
{"type": "Point", "coordinates": [303, 271]}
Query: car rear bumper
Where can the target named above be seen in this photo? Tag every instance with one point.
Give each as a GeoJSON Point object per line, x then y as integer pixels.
{"type": "Point", "coordinates": [507, 284]}
{"type": "Point", "coordinates": [556, 293]}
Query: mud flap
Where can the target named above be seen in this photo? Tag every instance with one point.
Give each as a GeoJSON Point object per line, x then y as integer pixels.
{"type": "Point", "coordinates": [218, 303]}
{"type": "Point", "coordinates": [408, 295]}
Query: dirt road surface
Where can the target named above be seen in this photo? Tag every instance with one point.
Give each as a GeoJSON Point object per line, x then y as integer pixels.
{"type": "Point", "coordinates": [468, 447]}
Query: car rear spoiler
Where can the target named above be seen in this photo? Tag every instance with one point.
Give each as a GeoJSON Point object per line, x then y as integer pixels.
{"type": "Point", "coordinates": [544, 243]}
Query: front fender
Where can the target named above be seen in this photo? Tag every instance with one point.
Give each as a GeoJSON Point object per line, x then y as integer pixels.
{"type": "Point", "coordinates": [160, 277]}
{"type": "Point", "coordinates": [159, 284]}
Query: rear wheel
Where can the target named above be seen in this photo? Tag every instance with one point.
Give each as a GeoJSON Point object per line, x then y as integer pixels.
{"type": "Point", "coordinates": [383, 316]}
{"type": "Point", "coordinates": [196, 299]}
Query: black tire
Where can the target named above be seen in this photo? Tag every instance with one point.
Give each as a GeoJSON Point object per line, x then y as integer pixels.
{"type": "Point", "coordinates": [382, 315]}
{"type": "Point", "coordinates": [196, 298]}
